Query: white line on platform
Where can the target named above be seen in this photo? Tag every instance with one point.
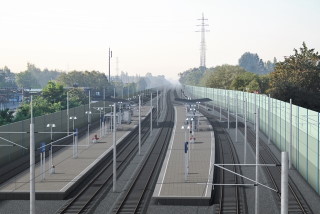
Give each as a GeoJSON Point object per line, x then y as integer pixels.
{"type": "Point", "coordinates": [171, 144]}
{"type": "Point", "coordinates": [91, 165]}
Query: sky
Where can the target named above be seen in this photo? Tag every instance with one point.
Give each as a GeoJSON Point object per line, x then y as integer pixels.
{"type": "Point", "coordinates": [151, 36]}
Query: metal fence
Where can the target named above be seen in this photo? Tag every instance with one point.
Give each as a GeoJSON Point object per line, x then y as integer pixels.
{"type": "Point", "coordinates": [275, 123]}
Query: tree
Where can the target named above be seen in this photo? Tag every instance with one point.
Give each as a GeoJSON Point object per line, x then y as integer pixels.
{"type": "Point", "coordinates": [42, 77]}
{"type": "Point", "coordinates": [92, 79]}
{"type": "Point", "coordinates": [222, 76]}
{"type": "Point", "coordinates": [252, 63]}
{"type": "Point", "coordinates": [77, 97]}
{"type": "Point", "coordinates": [141, 84]}
{"type": "Point", "coordinates": [155, 81]}
{"type": "Point", "coordinates": [191, 77]}
{"type": "Point", "coordinates": [254, 86]}
{"type": "Point", "coordinates": [7, 78]}
{"type": "Point", "coordinates": [298, 73]}
{"type": "Point", "coordinates": [52, 99]}
{"type": "Point", "coordinates": [53, 92]}
{"type": "Point", "coordinates": [27, 80]}
{"type": "Point", "coordinates": [6, 116]}
{"type": "Point", "coordinates": [264, 82]}
{"type": "Point", "coordinates": [242, 81]}
{"type": "Point", "coordinates": [34, 77]}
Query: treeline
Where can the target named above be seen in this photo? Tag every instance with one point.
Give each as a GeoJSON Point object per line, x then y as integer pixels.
{"type": "Point", "coordinates": [297, 77]}
{"type": "Point", "coordinates": [33, 77]}
{"type": "Point", "coordinates": [53, 96]}
{"type": "Point", "coordinates": [52, 99]}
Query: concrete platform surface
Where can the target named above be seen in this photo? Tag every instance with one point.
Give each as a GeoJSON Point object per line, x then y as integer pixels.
{"type": "Point", "coordinates": [171, 186]}
{"type": "Point", "coordinates": [68, 170]}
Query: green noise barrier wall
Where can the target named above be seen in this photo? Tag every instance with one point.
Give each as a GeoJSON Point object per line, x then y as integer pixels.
{"type": "Point", "coordinates": [305, 125]}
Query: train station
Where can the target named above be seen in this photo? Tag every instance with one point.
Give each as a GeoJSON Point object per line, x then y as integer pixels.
{"type": "Point", "coordinates": [199, 150]}
{"type": "Point", "coordinates": [160, 107]}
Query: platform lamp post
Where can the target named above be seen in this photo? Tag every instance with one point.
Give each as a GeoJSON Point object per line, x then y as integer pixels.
{"type": "Point", "coordinates": [122, 88]}
{"type": "Point", "coordinates": [100, 109]}
{"type": "Point", "coordinates": [73, 118]}
{"type": "Point", "coordinates": [111, 119]}
{"type": "Point", "coordinates": [284, 182]}
{"type": "Point", "coordinates": [245, 132]}
{"type": "Point", "coordinates": [269, 119]}
{"type": "Point", "coordinates": [186, 151]}
{"type": "Point", "coordinates": [73, 137]}
{"type": "Point", "coordinates": [128, 90]}
{"type": "Point", "coordinates": [32, 164]}
{"type": "Point", "coordinates": [51, 167]}
{"type": "Point", "coordinates": [114, 149]}
{"type": "Point", "coordinates": [139, 125]}
{"type": "Point", "coordinates": [157, 108]}
{"type": "Point", "coordinates": [198, 104]}
{"type": "Point", "coordinates": [151, 114]}
{"type": "Point", "coordinates": [228, 106]}
{"type": "Point", "coordinates": [185, 133]}
{"type": "Point", "coordinates": [110, 56]}
{"type": "Point", "coordinates": [237, 118]}
{"type": "Point", "coordinates": [68, 111]}
{"type": "Point", "coordinates": [88, 113]}
{"type": "Point", "coordinates": [257, 117]}
{"type": "Point", "coordinates": [104, 111]}
{"type": "Point", "coordinates": [120, 112]}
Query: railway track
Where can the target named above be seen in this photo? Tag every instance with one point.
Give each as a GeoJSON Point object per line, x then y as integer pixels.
{"type": "Point", "coordinates": [230, 198]}
{"type": "Point", "coordinates": [136, 198]}
{"type": "Point", "coordinates": [102, 179]}
{"type": "Point", "coordinates": [297, 203]}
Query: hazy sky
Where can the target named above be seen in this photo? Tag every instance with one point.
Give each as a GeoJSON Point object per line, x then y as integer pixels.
{"type": "Point", "coordinates": [151, 36]}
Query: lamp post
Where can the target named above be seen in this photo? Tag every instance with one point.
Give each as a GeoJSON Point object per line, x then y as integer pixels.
{"type": "Point", "coordinates": [189, 124]}
{"type": "Point", "coordinates": [104, 111]}
{"type": "Point", "coordinates": [245, 131]}
{"type": "Point", "coordinates": [120, 112]}
{"type": "Point", "coordinates": [185, 133]}
{"type": "Point", "coordinates": [257, 116]}
{"type": "Point", "coordinates": [68, 111]}
{"type": "Point", "coordinates": [73, 118]}
{"type": "Point", "coordinates": [111, 120]}
{"type": "Point", "coordinates": [237, 118]}
{"type": "Point", "coordinates": [51, 167]}
{"type": "Point", "coordinates": [128, 90]}
{"type": "Point", "coordinates": [73, 138]}
{"type": "Point", "coordinates": [198, 104]}
{"type": "Point", "coordinates": [186, 151]}
{"type": "Point", "coordinates": [100, 109]}
{"type": "Point", "coordinates": [151, 114]}
{"type": "Point", "coordinates": [114, 150]}
{"type": "Point", "coordinates": [32, 163]}
{"type": "Point", "coordinates": [139, 125]}
{"type": "Point", "coordinates": [88, 113]}
{"type": "Point", "coordinates": [122, 88]}
{"type": "Point", "coordinates": [110, 56]}
{"type": "Point", "coordinates": [157, 108]}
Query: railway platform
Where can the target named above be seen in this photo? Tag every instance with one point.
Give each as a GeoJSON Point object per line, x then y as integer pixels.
{"type": "Point", "coordinates": [69, 171]}
{"type": "Point", "coordinates": [172, 187]}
